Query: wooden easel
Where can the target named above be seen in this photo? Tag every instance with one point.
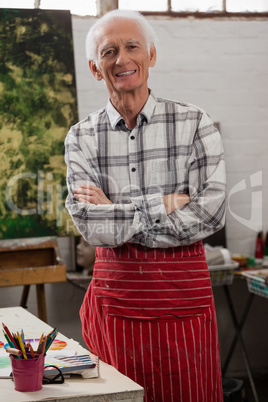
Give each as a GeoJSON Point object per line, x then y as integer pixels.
{"type": "Point", "coordinates": [26, 262]}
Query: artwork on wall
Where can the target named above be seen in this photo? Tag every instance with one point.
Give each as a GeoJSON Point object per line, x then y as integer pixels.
{"type": "Point", "coordinates": [38, 104]}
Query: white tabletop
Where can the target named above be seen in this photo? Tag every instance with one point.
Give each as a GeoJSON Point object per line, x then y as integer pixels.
{"type": "Point", "coordinates": [109, 386]}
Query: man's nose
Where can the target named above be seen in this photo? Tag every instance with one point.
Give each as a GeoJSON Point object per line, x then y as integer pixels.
{"type": "Point", "coordinates": [122, 57]}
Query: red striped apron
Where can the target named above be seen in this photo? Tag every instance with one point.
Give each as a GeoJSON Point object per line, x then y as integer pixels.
{"type": "Point", "coordinates": [150, 313]}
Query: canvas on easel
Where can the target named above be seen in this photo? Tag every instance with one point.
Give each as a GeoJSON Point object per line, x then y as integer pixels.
{"type": "Point", "coordinates": [38, 105]}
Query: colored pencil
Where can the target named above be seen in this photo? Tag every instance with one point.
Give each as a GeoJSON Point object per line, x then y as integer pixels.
{"type": "Point", "coordinates": [19, 349]}
{"type": "Point", "coordinates": [8, 333]}
{"type": "Point", "coordinates": [22, 335]}
{"type": "Point", "coordinates": [30, 348]}
{"type": "Point", "coordinates": [51, 336]}
{"type": "Point", "coordinates": [8, 340]}
{"type": "Point", "coordinates": [13, 351]}
{"type": "Point", "coordinates": [21, 346]}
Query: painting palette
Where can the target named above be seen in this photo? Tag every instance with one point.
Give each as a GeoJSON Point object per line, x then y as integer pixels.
{"type": "Point", "coordinates": [69, 364]}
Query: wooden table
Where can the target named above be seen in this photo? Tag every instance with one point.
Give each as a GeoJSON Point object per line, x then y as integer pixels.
{"type": "Point", "coordinates": [109, 386]}
{"type": "Point", "coordinates": [29, 262]}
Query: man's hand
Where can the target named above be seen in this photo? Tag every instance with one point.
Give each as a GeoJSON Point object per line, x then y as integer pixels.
{"type": "Point", "coordinates": [175, 201]}
{"type": "Point", "coordinates": [91, 195]}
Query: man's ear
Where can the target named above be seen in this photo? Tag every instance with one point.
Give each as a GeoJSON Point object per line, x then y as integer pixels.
{"type": "Point", "coordinates": [95, 71]}
{"type": "Point", "coordinates": [152, 56]}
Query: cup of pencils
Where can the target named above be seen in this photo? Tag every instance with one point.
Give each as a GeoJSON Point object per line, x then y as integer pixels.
{"type": "Point", "coordinates": [27, 364]}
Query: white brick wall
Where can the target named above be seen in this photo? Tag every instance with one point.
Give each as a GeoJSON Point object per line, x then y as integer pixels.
{"type": "Point", "coordinates": [221, 66]}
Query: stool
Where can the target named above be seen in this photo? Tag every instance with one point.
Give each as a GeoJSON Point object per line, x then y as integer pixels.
{"type": "Point", "coordinates": [232, 390]}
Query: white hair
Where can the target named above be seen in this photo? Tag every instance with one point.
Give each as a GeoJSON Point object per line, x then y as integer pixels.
{"type": "Point", "coordinates": [146, 29]}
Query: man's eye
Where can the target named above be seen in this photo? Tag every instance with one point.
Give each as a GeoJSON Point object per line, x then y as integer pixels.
{"type": "Point", "coordinates": [108, 52]}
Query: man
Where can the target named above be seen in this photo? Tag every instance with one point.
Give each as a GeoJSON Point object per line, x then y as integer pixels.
{"type": "Point", "coordinates": [146, 181]}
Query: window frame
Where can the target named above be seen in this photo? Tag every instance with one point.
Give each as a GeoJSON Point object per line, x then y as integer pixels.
{"type": "Point", "coordinates": [188, 14]}
{"type": "Point", "coordinates": [201, 14]}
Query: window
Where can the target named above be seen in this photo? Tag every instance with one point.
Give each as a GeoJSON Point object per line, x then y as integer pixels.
{"type": "Point", "coordinates": [78, 7]}
{"type": "Point", "coordinates": [89, 7]}
{"type": "Point", "coordinates": [174, 5]}
{"type": "Point", "coordinates": [246, 5]}
{"type": "Point", "coordinates": [141, 5]}
{"type": "Point", "coordinates": [208, 6]}
{"type": "Point", "coordinates": [197, 5]}
{"type": "Point", "coordinates": [17, 4]}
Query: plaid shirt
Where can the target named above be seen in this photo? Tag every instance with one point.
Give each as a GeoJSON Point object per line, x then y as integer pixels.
{"type": "Point", "coordinates": [174, 148]}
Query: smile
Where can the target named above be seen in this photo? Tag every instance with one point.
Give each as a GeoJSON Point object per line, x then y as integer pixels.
{"type": "Point", "coordinates": [125, 73]}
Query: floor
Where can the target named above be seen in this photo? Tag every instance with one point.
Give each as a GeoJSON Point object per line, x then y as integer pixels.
{"type": "Point", "coordinates": [261, 384]}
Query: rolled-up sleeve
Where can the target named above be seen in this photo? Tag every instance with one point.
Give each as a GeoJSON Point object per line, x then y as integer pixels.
{"type": "Point", "coordinates": [205, 213]}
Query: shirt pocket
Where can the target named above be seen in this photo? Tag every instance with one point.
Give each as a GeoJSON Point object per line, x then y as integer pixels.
{"type": "Point", "coordinates": [169, 176]}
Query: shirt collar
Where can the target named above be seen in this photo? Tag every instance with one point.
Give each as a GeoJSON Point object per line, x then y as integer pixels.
{"type": "Point", "coordinates": [147, 111]}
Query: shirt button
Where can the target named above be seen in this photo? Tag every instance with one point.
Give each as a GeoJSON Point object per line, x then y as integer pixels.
{"type": "Point", "coordinates": [132, 137]}
{"type": "Point", "coordinates": [157, 221]}
{"type": "Point", "coordinates": [133, 169]}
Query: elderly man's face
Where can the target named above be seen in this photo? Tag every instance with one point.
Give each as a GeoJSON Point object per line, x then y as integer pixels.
{"type": "Point", "coordinates": [123, 57]}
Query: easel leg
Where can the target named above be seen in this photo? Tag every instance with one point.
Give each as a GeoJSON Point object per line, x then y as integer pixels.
{"type": "Point", "coordinates": [238, 328]}
{"type": "Point", "coordinates": [41, 302]}
{"type": "Point", "coordinates": [24, 296]}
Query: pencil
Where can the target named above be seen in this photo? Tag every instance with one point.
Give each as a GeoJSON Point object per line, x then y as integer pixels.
{"type": "Point", "coordinates": [13, 351]}
{"type": "Point", "coordinates": [21, 346]}
{"type": "Point", "coordinates": [22, 335]}
{"type": "Point", "coordinates": [8, 332]}
{"type": "Point", "coordinates": [43, 349]}
{"type": "Point", "coordinates": [40, 341]}
{"type": "Point", "coordinates": [51, 336]}
{"type": "Point", "coordinates": [8, 340]}
{"type": "Point", "coordinates": [16, 341]}
{"type": "Point", "coordinates": [29, 346]}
